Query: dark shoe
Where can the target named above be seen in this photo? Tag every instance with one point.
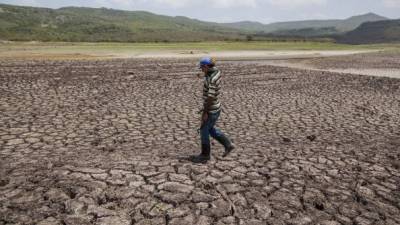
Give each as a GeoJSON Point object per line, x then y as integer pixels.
{"type": "Point", "coordinates": [228, 145]}
{"type": "Point", "coordinates": [204, 156]}
{"type": "Point", "coordinates": [228, 150]}
{"type": "Point", "coordinates": [200, 159]}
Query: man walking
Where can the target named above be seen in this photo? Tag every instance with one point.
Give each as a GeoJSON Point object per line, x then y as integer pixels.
{"type": "Point", "coordinates": [211, 112]}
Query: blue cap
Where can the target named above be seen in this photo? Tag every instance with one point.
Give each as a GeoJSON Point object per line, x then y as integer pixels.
{"type": "Point", "coordinates": [207, 61]}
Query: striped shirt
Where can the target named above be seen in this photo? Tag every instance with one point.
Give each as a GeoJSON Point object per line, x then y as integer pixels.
{"type": "Point", "coordinates": [211, 90]}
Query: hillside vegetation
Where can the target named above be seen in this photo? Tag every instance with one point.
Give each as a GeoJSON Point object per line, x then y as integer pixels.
{"type": "Point", "coordinates": [75, 24]}
{"type": "Point", "coordinates": [88, 24]}
{"type": "Point", "coordinates": [339, 26]}
{"type": "Point", "coordinates": [373, 32]}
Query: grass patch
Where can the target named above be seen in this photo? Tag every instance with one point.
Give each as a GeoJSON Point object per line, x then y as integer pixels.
{"type": "Point", "coordinates": [211, 46]}
{"type": "Point", "coordinates": [50, 49]}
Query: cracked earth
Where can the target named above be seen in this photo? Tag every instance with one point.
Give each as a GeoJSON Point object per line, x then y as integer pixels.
{"type": "Point", "coordinates": [106, 142]}
{"type": "Point", "coordinates": [381, 64]}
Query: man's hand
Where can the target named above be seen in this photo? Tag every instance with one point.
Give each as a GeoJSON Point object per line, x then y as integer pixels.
{"type": "Point", "coordinates": [204, 118]}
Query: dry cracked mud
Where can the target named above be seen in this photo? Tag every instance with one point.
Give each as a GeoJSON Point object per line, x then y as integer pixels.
{"type": "Point", "coordinates": [386, 64]}
{"type": "Point", "coordinates": [105, 142]}
{"type": "Point", "coordinates": [375, 60]}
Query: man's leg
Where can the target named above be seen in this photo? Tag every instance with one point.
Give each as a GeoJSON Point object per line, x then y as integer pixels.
{"type": "Point", "coordinates": [221, 137]}
{"type": "Point", "coordinates": [205, 143]}
{"type": "Point", "coordinates": [223, 140]}
{"type": "Point", "coordinates": [205, 133]}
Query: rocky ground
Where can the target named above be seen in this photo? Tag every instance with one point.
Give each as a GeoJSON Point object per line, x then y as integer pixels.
{"type": "Point", "coordinates": [380, 64]}
{"type": "Point", "coordinates": [377, 60]}
{"type": "Point", "coordinates": [106, 142]}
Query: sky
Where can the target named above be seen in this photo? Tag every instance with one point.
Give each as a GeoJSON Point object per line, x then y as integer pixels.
{"type": "Point", "coordinates": [265, 11]}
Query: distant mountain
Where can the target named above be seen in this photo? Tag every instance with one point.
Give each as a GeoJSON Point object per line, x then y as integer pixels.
{"type": "Point", "coordinates": [355, 21]}
{"type": "Point", "coordinates": [373, 32]}
{"type": "Point", "coordinates": [101, 24]}
{"type": "Point", "coordinates": [74, 24]}
{"type": "Point", "coordinates": [306, 32]}
{"type": "Point", "coordinates": [340, 25]}
{"type": "Point", "coordinates": [246, 25]}
{"type": "Point", "coordinates": [276, 27]}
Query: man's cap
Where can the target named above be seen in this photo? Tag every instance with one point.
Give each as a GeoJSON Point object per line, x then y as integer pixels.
{"type": "Point", "coordinates": [207, 61]}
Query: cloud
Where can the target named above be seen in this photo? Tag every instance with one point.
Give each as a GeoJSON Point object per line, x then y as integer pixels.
{"type": "Point", "coordinates": [114, 3]}
{"type": "Point", "coordinates": [296, 3]}
{"type": "Point", "coordinates": [174, 3]}
{"type": "Point", "coordinates": [24, 2]}
{"type": "Point", "coordinates": [234, 3]}
{"type": "Point", "coordinates": [391, 3]}
{"type": "Point", "coordinates": [202, 4]}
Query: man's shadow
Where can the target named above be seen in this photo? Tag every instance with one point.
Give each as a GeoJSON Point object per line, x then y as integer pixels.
{"type": "Point", "coordinates": [190, 158]}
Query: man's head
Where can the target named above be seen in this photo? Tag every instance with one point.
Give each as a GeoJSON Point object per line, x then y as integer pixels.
{"type": "Point", "coordinates": [206, 63]}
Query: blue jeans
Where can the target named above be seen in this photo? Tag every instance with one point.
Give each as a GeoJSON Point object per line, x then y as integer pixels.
{"type": "Point", "coordinates": [209, 129]}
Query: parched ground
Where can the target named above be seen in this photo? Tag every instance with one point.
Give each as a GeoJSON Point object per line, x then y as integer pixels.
{"type": "Point", "coordinates": [382, 64]}
{"type": "Point", "coordinates": [106, 142]}
{"type": "Point", "coordinates": [376, 60]}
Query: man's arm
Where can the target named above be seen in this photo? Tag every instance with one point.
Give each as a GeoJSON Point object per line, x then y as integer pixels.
{"type": "Point", "coordinates": [206, 107]}
{"type": "Point", "coordinates": [211, 96]}
{"type": "Point", "coordinates": [207, 104]}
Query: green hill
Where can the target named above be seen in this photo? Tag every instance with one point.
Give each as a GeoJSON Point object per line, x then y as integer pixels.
{"type": "Point", "coordinates": [355, 21]}
{"type": "Point", "coordinates": [387, 31]}
{"type": "Point", "coordinates": [307, 32]}
{"type": "Point", "coordinates": [90, 24]}
{"type": "Point", "coordinates": [285, 27]}
{"type": "Point", "coordinates": [247, 26]}
{"type": "Point", "coordinates": [76, 24]}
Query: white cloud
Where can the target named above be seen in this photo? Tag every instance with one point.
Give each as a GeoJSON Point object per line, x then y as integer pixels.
{"type": "Point", "coordinates": [233, 3]}
{"type": "Point", "coordinates": [114, 2]}
{"type": "Point", "coordinates": [174, 3]}
{"type": "Point", "coordinates": [201, 4]}
{"type": "Point", "coordinates": [25, 2]}
{"type": "Point", "coordinates": [123, 2]}
{"type": "Point", "coordinates": [391, 3]}
{"type": "Point", "coordinates": [296, 3]}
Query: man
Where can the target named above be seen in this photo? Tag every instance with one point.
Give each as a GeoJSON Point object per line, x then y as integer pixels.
{"type": "Point", "coordinates": [211, 112]}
